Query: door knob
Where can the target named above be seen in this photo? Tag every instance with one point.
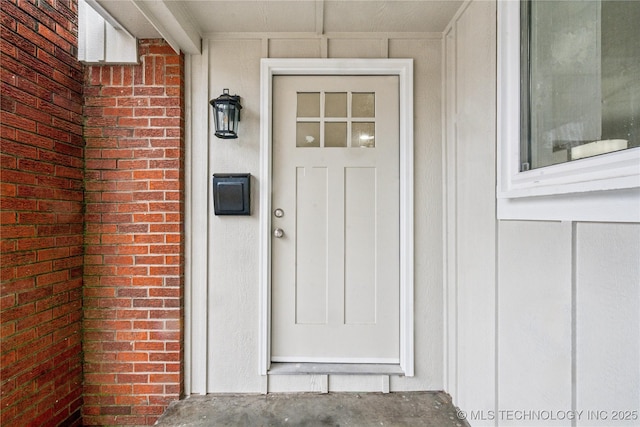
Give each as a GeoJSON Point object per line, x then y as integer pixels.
{"type": "Point", "coordinates": [278, 232]}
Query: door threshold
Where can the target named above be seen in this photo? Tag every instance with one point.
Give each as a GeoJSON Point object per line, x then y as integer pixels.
{"type": "Point", "coordinates": [292, 368]}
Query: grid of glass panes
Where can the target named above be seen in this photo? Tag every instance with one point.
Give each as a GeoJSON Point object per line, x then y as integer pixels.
{"type": "Point", "coordinates": [336, 119]}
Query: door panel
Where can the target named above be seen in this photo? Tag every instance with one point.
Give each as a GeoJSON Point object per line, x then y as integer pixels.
{"type": "Point", "coordinates": [335, 269]}
{"type": "Point", "coordinates": [311, 246]}
{"type": "Point", "coordinates": [360, 246]}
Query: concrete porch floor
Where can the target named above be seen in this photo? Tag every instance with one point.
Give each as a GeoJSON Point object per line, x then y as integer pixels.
{"type": "Point", "coordinates": [309, 409]}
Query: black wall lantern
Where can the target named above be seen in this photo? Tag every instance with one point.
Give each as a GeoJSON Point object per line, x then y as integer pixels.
{"type": "Point", "coordinates": [226, 113]}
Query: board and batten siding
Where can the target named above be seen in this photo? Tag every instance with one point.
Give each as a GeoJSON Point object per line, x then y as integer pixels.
{"type": "Point", "coordinates": [469, 199]}
{"type": "Point", "coordinates": [222, 301]}
{"type": "Point", "coordinates": [540, 315]}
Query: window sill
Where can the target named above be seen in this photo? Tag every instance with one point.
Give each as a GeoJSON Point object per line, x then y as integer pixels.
{"type": "Point", "coordinates": [614, 171]}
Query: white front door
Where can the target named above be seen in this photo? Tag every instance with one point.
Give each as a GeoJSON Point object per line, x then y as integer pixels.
{"type": "Point", "coordinates": [335, 219]}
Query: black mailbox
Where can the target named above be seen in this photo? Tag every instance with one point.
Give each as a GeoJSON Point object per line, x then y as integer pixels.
{"type": "Point", "coordinates": [231, 194]}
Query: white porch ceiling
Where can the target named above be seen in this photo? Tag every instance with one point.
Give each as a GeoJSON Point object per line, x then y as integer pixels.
{"type": "Point", "coordinates": [184, 22]}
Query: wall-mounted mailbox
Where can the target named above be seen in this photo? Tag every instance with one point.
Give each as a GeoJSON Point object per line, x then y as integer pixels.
{"type": "Point", "coordinates": [231, 194]}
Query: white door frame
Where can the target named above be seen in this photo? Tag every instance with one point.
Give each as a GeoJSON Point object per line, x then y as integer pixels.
{"type": "Point", "coordinates": [403, 68]}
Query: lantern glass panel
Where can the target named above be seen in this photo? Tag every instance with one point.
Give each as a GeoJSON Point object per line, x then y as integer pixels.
{"type": "Point", "coordinates": [226, 116]}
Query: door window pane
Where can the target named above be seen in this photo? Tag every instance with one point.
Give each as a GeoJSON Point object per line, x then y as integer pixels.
{"type": "Point", "coordinates": [363, 105]}
{"type": "Point", "coordinates": [347, 119]}
{"type": "Point", "coordinates": [308, 104]}
{"type": "Point", "coordinates": [335, 104]}
{"type": "Point", "coordinates": [335, 134]}
{"type": "Point", "coordinates": [363, 135]}
{"type": "Point", "coordinates": [308, 134]}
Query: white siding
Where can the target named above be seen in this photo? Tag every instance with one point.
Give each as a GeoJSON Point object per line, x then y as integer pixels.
{"type": "Point", "coordinates": [541, 317]}
{"type": "Point", "coordinates": [100, 42]}
{"type": "Point", "coordinates": [533, 316]}
{"type": "Point", "coordinates": [471, 216]}
{"type": "Point", "coordinates": [233, 249]}
{"type": "Point", "coordinates": [607, 322]}
{"type": "Point", "coordinates": [428, 211]}
{"type": "Point", "coordinates": [534, 313]}
{"type": "Point", "coordinates": [231, 321]}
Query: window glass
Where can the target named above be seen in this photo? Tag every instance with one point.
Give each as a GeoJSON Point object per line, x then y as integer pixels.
{"type": "Point", "coordinates": [364, 104]}
{"type": "Point", "coordinates": [363, 135]}
{"type": "Point", "coordinates": [335, 134]}
{"type": "Point", "coordinates": [335, 104]}
{"type": "Point", "coordinates": [308, 134]}
{"type": "Point", "coordinates": [581, 80]}
{"type": "Point", "coordinates": [335, 120]}
{"type": "Point", "coordinates": [308, 104]}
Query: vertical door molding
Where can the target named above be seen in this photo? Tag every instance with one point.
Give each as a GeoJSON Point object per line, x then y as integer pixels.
{"type": "Point", "coordinates": [403, 68]}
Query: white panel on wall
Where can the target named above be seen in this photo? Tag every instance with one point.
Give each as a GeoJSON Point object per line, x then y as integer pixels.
{"type": "Point", "coordinates": [298, 383]}
{"type": "Point", "coordinates": [475, 217]}
{"type": "Point", "coordinates": [91, 34]}
{"type": "Point", "coordinates": [232, 267]}
{"type": "Point", "coordinates": [101, 42]}
{"type": "Point", "coordinates": [121, 47]}
{"type": "Point", "coordinates": [534, 333]}
{"type": "Point", "coordinates": [450, 273]}
{"type": "Point", "coordinates": [608, 324]}
{"type": "Point", "coordinates": [357, 48]}
{"type": "Point", "coordinates": [365, 383]}
{"type": "Point", "coordinates": [198, 188]}
{"type": "Point", "coordinates": [295, 48]}
{"type": "Point", "coordinates": [427, 55]}
{"type": "Point", "coordinates": [233, 240]}
{"type": "Point", "coordinates": [449, 206]}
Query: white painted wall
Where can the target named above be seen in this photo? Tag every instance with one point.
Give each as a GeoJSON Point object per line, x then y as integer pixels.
{"type": "Point", "coordinates": [569, 320]}
{"type": "Point", "coordinates": [470, 227]}
{"type": "Point", "coordinates": [607, 321]}
{"type": "Point", "coordinates": [510, 315]}
{"type": "Point", "coordinates": [542, 318]}
{"type": "Point", "coordinates": [223, 280]}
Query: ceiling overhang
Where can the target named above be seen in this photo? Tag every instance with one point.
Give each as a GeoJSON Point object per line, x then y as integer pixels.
{"type": "Point", "coordinates": [157, 18]}
{"type": "Point", "coordinates": [183, 23]}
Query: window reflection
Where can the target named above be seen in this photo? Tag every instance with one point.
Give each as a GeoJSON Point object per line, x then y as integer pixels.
{"type": "Point", "coordinates": [363, 135]}
{"type": "Point", "coordinates": [582, 62]}
{"type": "Point", "coordinates": [335, 120]}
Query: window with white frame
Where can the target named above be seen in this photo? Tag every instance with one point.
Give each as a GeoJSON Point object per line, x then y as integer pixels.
{"type": "Point", "coordinates": [569, 110]}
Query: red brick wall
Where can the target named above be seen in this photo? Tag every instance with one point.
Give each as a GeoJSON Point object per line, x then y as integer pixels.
{"type": "Point", "coordinates": [41, 212]}
{"type": "Point", "coordinates": [133, 295]}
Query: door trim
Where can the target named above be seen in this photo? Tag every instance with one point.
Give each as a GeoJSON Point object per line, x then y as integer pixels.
{"type": "Point", "coordinates": [403, 68]}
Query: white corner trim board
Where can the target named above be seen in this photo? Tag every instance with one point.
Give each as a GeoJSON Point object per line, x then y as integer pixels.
{"type": "Point", "coordinates": [600, 188]}
{"type": "Point", "coordinates": [101, 39]}
{"type": "Point", "coordinates": [403, 68]}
